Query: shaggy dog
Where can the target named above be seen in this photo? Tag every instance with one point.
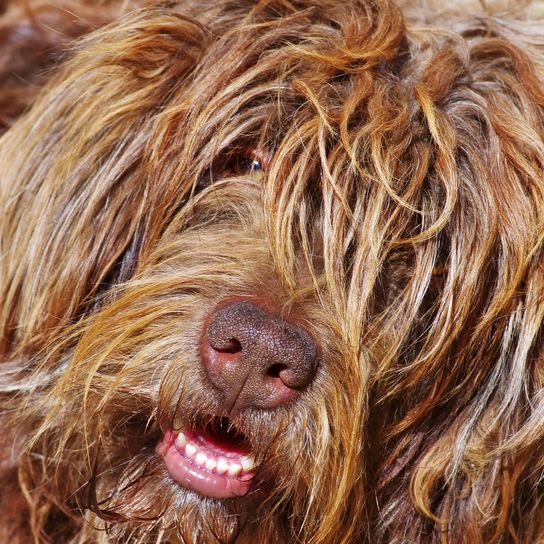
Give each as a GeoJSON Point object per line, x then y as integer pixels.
{"type": "Point", "coordinates": [271, 272]}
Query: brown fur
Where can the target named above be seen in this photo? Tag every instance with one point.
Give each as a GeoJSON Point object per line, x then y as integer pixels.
{"type": "Point", "coordinates": [400, 217]}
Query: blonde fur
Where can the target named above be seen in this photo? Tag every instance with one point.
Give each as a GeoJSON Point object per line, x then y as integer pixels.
{"type": "Point", "coordinates": [399, 217]}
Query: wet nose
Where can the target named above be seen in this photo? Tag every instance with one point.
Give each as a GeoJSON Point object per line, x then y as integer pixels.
{"type": "Point", "coordinates": [255, 357]}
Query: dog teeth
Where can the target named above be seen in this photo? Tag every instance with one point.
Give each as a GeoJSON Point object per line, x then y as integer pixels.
{"type": "Point", "coordinates": [248, 462]}
{"type": "Point", "coordinates": [222, 466]}
{"type": "Point", "coordinates": [234, 469]}
{"type": "Point", "coordinates": [211, 464]}
{"type": "Point", "coordinates": [181, 441]}
{"type": "Point", "coordinates": [200, 459]}
{"type": "Point", "coordinates": [217, 465]}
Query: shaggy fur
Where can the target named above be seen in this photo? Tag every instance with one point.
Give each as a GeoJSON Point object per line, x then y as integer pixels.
{"type": "Point", "coordinates": [399, 216]}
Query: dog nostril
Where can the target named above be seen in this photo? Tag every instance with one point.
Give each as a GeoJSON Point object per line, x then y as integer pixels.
{"type": "Point", "coordinates": [230, 346]}
{"type": "Point", "coordinates": [275, 370]}
{"type": "Point", "coordinates": [256, 358]}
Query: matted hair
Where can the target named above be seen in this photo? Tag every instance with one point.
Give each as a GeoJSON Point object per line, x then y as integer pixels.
{"type": "Point", "coordinates": [400, 213]}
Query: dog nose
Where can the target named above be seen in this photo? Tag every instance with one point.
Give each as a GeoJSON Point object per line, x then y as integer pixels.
{"type": "Point", "coordinates": [256, 358]}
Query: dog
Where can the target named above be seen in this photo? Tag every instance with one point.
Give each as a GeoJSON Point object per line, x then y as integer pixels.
{"type": "Point", "coordinates": [271, 272]}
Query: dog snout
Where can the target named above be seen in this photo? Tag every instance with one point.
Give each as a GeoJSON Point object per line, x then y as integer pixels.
{"type": "Point", "coordinates": [255, 357]}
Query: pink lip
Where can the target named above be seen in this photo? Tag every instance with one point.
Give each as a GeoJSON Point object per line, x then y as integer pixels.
{"type": "Point", "coordinates": [192, 476]}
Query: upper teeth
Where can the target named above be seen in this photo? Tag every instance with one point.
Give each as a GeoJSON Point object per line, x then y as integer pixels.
{"type": "Point", "coordinates": [218, 465]}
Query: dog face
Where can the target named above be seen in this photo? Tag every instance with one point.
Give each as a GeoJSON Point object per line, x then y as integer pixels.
{"type": "Point", "coordinates": [271, 272]}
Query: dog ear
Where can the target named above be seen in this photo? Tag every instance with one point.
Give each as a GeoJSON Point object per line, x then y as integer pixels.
{"type": "Point", "coordinates": [76, 192]}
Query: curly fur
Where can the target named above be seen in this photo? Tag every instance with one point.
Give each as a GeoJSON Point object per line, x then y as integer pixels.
{"type": "Point", "coordinates": [400, 217]}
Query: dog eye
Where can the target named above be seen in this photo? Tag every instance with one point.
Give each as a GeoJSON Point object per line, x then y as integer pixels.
{"type": "Point", "coordinates": [244, 162]}
{"type": "Point", "coordinates": [249, 162]}
{"type": "Point", "coordinates": [255, 166]}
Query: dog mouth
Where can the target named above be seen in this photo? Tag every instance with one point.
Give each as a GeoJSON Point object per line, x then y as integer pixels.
{"type": "Point", "coordinates": [214, 460]}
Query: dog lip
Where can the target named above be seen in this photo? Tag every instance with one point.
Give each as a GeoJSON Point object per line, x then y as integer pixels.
{"type": "Point", "coordinates": [190, 475]}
